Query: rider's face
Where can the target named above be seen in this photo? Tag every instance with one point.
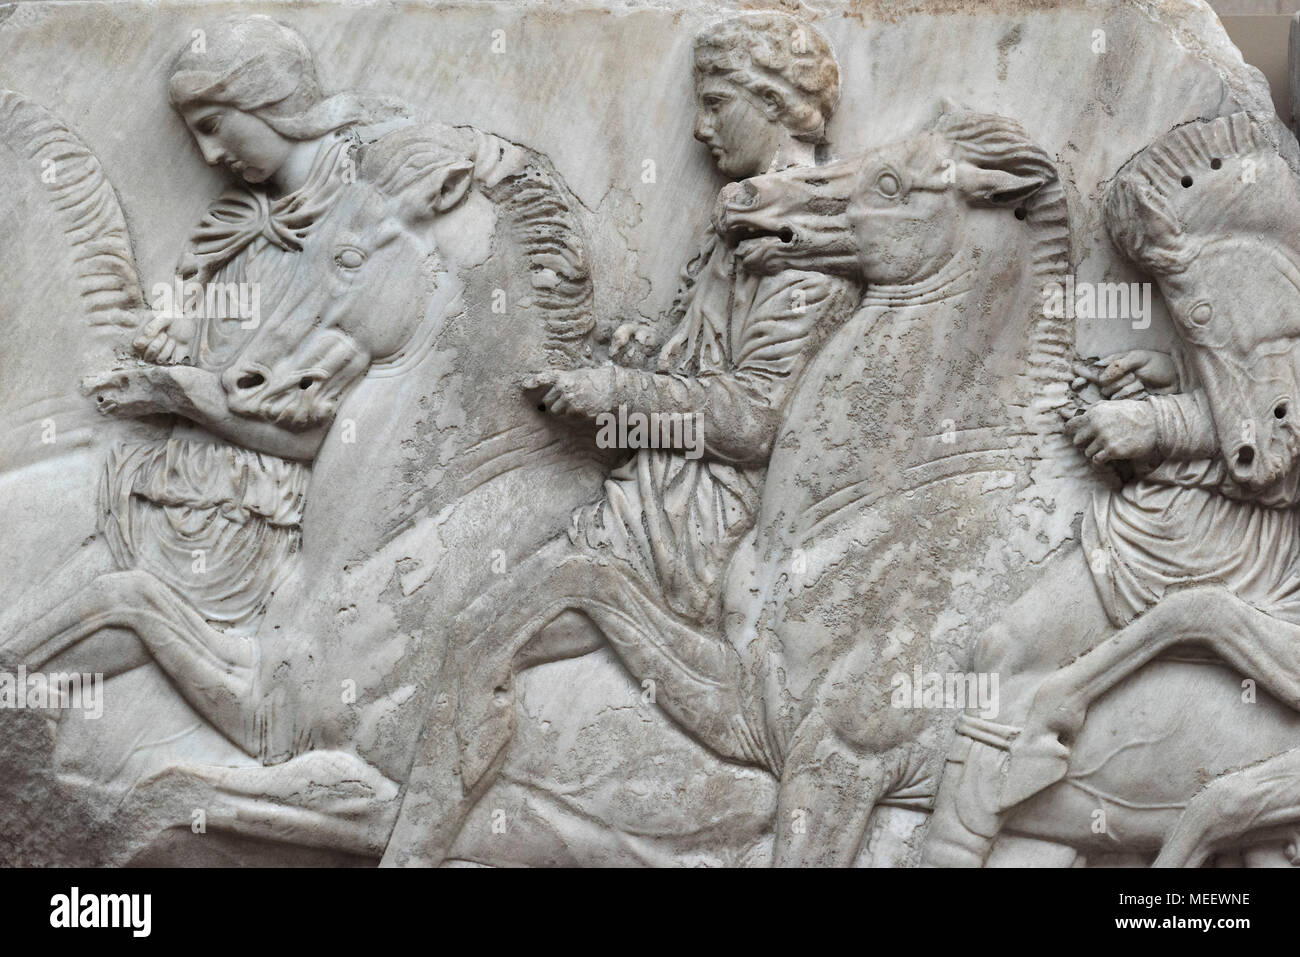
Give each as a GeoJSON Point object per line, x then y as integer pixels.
{"type": "Point", "coordinates": [239, 141]}
{"type": "Point", "coordinates": [737, 127]}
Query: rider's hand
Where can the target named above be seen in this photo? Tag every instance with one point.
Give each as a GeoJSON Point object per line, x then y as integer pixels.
{"type": "Point", "coordinates": [633, 343]}
{"type": "Point", "coordinates": [583, 392]}
{"type": "Point", "coordinates": [1127, 375]}
{"type": "Point", "coordinates": [165, 339]}
{"type": "Point", "coordinates": [1114, 430]}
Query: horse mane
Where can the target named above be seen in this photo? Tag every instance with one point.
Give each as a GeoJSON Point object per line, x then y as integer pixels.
{"type": "Point", "coordinates": [83, 202]}
{"type": "Point", "coordinates": [1155, 210]}
{"type": "Point", "coordinates": [539, 212]}
{"type": "Point", "coordinates": [991, 141]}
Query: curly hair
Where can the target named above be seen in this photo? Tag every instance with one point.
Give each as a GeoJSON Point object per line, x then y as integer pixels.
{"type": "Point", "coordinates": [773, 52]}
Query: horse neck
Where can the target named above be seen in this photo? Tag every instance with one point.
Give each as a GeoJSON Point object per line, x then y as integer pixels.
{"type": "Point", "coordinates": [952, 279]}
{"type": "Point", "coordinates": [981, 309]}
{"type": "Point", "coordinates": [479, 430]}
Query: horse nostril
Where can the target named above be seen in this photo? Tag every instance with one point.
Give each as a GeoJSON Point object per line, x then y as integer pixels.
{"type": "Point", "coordinates": [250, 381]}
{"type": "Point", "coordinates": [1280, 411]}
{"type": "Point", "coordinates": [1245, 456]}
{"type": "Point", "coordinates": [786, 235]}
{"type": "Point", "coordinates": [306, 382]}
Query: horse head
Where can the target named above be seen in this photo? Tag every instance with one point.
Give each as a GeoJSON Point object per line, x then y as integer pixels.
{"type": "Point", "coordinates": [1210, 210]}
{"type": "Point", "coordinates": [371, 265]}
{"type": "Point", "coordinates": [410, 243]}
{"type": "Point", "coordinates": [892, 216]}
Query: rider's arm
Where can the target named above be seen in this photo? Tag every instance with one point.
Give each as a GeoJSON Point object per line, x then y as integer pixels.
{"type": "Point", "coordinates": [742, 408]}
{"type": "Point", "coordinates": [1183, 426]}
{"type": "Point", "coordinates": [197, 395]}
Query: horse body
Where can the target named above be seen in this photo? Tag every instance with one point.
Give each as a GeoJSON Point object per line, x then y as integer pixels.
{"type": "Point", "coordinates": [902, 529]}
{"type": "Point", "coordinates": [1213, 567]}
{"type": "Point", "coordinates": [1137, 763]}
{"type": "Point", "coordinates": [388, 340]}
{"type": "Point", "coordinates": [852, 573]}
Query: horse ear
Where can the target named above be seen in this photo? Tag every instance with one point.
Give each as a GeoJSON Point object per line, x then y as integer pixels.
{"type": "Point", "coordinates": [448, 185]}
{"type": "Point", "coordinates": [946, 106]}
{"type": "Point", "coordinates": [998, 187]}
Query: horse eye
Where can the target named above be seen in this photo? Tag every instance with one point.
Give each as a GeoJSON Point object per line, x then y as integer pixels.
{"type": "Point", "coordinates": [888, 185]}
{"type": "Point", "coordinates": [1201, 313]}
{"type": "Point", "coordinates": [350, 257]}
{"type": "Point", "coordinates": [1280, 411]}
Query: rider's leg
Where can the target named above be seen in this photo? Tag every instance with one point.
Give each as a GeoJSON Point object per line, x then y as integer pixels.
{"type": "Point", "coordinates": [73, 575]}
{"type": "Point", "coordinates": [1060, 617]}
{"type": "Point", "coordinates": [83, 632]}
{"type": "Point", "coordinates": [967, 813]}
{"type": "Point", "coordinates": [699, 679]}
{"type": "Point", "coordinates": [550, 598]}
{"type": "Point", "coordinates": [109, 651]}
{"type": "Point", "coordinates": [1263, 795]}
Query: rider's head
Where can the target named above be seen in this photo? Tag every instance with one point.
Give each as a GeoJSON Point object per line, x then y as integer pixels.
{"type": "Point", "coordinates": [248, 91]}
{"type": "Point", "coordinates": [761, 77]}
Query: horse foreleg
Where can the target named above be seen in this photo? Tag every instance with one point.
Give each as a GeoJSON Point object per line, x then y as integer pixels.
{"type": "Point", "coordinates": [125, 619]}
{"type": "Point", "coordinates": [1254, 642]}
{"type": "Point", "coordinates": [571, 634]}
{"type": "Point", "coordinates": [519, 622]}
{"type": "Point", "coordinates": [828, 792]}
{"type": "Point", "coordinates": [1264, 795]}
{"type": "Point", "coordinates": [437, 795]}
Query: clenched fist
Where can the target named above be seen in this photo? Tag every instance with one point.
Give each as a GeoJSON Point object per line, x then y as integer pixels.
{"type": "Point", "coordinates": [1115, 429]}
{"type": "Point", "coordinates": [126, 392]}
{"type": "Point", "coordinates": [633, 344]}
{"type": "Point", "coordinates": [166, 339]}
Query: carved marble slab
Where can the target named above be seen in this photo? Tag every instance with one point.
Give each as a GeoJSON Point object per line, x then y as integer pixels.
{"type": "Point", "coordinates": [658, 434]}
